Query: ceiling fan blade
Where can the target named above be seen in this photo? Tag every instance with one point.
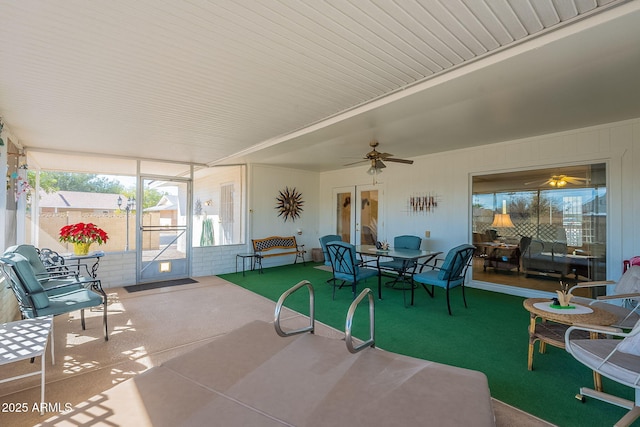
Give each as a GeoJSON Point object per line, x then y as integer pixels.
{"type": "Point", "coordinates": [538, 183]}
{"type": "Point", "coordinates": [376, 158]}
{"type": "Point", "coordinates": [575, 180]}
{"type": "Point", "coordinates": [359, 161]}
{"type": "Point", "coordinates": [391, 159]}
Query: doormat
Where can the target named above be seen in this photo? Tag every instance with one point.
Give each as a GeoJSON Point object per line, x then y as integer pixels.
{"type": "Point", "coordinates": [156, 285]}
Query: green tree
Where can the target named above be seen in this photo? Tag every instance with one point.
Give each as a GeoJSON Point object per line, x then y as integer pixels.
{"type": "Point", "coordinates": [91, 183]}
{"type": "Point", "coordinates": [152, 197]}
{"type": "Point", "coordinates": [68, 181]}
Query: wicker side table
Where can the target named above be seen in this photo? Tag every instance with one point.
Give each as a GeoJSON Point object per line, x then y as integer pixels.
{"type": "Point", "coordinates": [554, 323]}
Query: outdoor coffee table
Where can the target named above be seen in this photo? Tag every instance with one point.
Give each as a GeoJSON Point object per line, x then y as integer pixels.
{"type": "Point", "coordinates": [555, 322]}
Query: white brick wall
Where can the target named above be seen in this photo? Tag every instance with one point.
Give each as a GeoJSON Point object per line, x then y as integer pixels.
{"type": "Point", "coordinates": [212, 260]}
{"type": "Point", "coordinates": [119, 268]}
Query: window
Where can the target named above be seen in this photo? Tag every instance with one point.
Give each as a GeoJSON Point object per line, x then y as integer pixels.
{"type": "Point", "coordinates": [563, 213]}
{"type": "Point", "coordinates": [218, 214]}
{"type": "Point", "coordinates": [226, 213]}
{"type": "Point", "coordinates": [68, 198]}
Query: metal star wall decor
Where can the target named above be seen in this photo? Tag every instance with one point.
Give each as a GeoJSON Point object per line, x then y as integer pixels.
{"type": "Point", "coordinates": [289, 204]}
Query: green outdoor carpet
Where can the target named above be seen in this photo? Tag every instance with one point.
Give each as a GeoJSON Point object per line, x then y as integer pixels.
{"type": "Point", "coordinates": [490, 336]}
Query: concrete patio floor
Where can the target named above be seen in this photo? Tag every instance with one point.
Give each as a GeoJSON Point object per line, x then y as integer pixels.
{"type": "Point", "coordinates": [147, 329]}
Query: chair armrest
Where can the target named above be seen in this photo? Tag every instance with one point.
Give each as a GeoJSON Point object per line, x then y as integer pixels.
{"type": "Point", "coordinates": [635, 295]}
{"type": "Point", "coordinates": [362, 262]}
{"type": "Point", "coordinates": [433, 266]}
{"type": "Point", "coordinates": [62, 274]}
{"type": "Point", "coordinates": [427, 260]}
{"type": "Point", "coordinates": [596, 328]}
{"type": "Point", "coordinates": [64, 285]}
{"type": "Point", "coordinates": [587, 285]}
{"type": "Point", "coordinates": [68, 270]}
{"type": "Point", "coordinates": [601, 329]}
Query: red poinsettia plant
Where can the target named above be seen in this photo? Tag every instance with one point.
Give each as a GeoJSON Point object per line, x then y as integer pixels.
{"type": "Point", "coordinates": [83, 233]}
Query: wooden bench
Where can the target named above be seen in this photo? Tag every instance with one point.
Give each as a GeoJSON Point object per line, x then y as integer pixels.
{"type": "Point", "coordinates": [280, 245]}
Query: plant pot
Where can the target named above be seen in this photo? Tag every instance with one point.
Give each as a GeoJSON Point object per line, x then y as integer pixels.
{"type": "Point", "coordinates": [81, 248]}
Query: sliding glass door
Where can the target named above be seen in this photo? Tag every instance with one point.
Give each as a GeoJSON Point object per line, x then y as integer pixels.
{"type": "Point", "coordinates": [535, 228]}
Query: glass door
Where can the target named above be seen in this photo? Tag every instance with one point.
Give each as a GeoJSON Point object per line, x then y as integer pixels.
{"type": "Point", "coordinates": [163, 238]}
{"type": "Point", "coordinates": [358, 223]}
{"type": "Point", "coordinates": [345, 216]}
{"type": "Point", "coordinates": [367, 215]}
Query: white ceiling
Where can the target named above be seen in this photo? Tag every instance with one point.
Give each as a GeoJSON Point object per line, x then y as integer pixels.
{"type": "Point", "coordinates": [307, 84]}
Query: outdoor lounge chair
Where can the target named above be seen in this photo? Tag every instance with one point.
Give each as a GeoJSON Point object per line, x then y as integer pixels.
{"type": "Point", "coordinates": [616, 359]}
{"type": "Point", "coordinates": [54, 279]}
{"type": "Point", "coordinates": [35, 301]}
{"type": "Point", "coordinates": [624, 300]}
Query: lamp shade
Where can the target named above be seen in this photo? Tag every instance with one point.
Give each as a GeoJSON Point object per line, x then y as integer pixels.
{"type": "Point", "coordinates": [502, 220]}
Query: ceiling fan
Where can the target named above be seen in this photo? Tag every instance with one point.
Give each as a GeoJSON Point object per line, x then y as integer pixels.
{"type": "Point", "coordinates": [559, 181]}
{"type": "Point", "coordinates": [376, 158]}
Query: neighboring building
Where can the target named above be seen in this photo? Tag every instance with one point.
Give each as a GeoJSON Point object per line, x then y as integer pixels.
{"type": "Point", "coordinates": [169, 209]}
{"type": "Point", "coordinates": [63, 201]}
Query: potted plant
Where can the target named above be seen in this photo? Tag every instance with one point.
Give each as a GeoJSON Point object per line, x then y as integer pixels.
{"type": "Point", "coordinates": [82, 235]}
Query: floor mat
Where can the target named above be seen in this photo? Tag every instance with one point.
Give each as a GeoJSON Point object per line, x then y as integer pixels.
{"type": "Point", "coordinates": [155, 285]}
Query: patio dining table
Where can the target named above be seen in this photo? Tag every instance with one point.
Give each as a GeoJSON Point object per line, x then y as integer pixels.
{"type": "Point", "coordinates": [410, 258]}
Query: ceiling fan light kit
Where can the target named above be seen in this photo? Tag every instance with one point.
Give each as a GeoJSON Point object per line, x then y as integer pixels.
{"type": "Point", "coordinates": [373, 171]}
{"type": "Point", "coordinates": [558, 181]}
{"type": "Point", "coordinates": [376, 160]}
{"type": "Point", "coordinates": [376, 167]}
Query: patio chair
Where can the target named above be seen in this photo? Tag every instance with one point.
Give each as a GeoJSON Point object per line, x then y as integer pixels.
{"type": "Point", "coordinates": [398, 265]}
{"type": "Point", "coordinates": [450, 274]}
{"type": "Point", "coordinates": [616, 359]}
{"type": "Point", "coordinates": [35, 301]}
{"type": "Point", "coordinates": [33, 256]}
{"type": "Point", "coordinates": [346, 267]}
{"type": "Point", "coordinates": [55, 263]}
{"type": "Point", "coordinates": [54, 279]}
{"type": "Point", "coordinates": [623, 302]}
{"type": "Point", "coordinates": [323, 244]}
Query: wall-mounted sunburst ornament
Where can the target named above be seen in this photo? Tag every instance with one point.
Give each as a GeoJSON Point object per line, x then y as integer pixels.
{"type": "Point", "coordinates": [289, 204]}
